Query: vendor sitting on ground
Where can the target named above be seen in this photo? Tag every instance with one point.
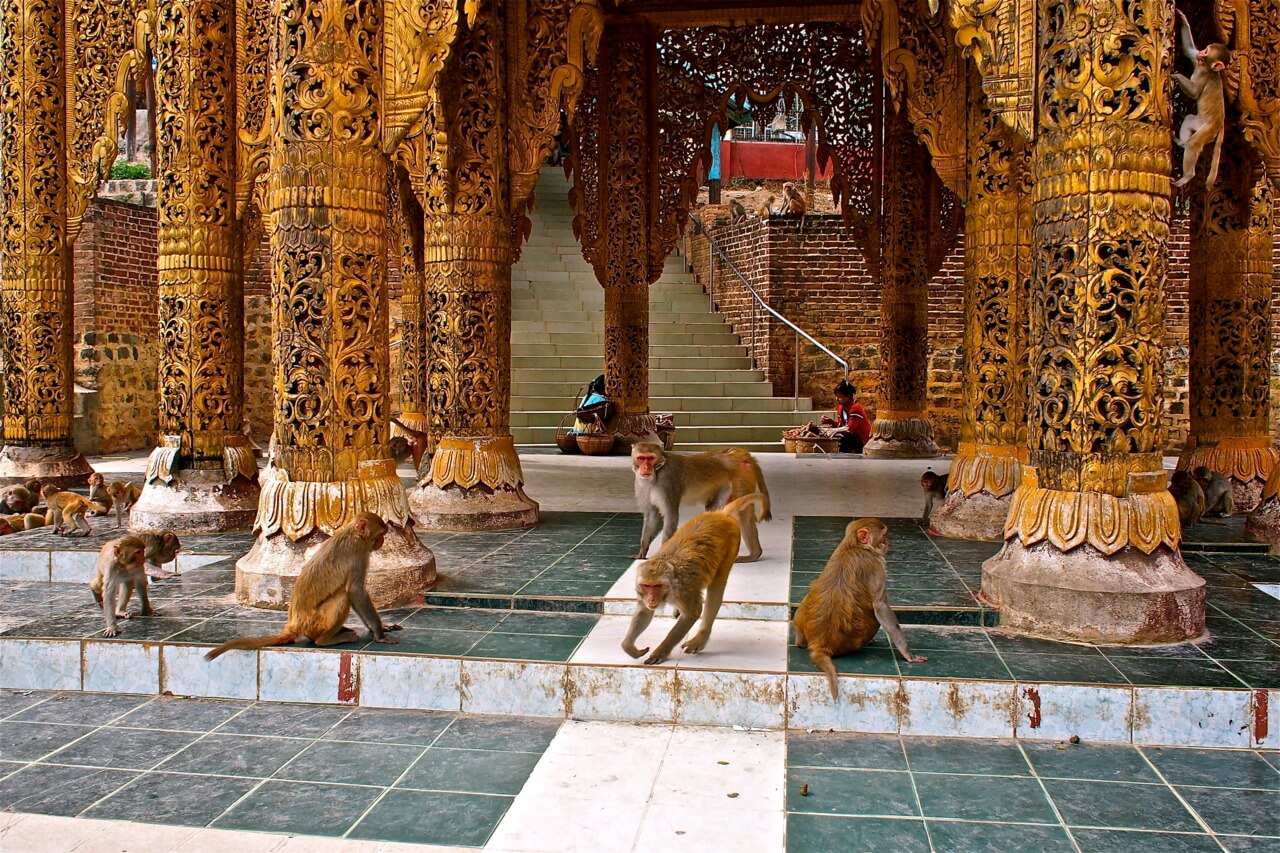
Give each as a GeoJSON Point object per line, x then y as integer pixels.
{"type": "Point", "coordinates": [853, 427]}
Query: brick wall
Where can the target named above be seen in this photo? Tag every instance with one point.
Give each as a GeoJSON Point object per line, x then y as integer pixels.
{"type": "Point", "coordinates": [115, 343]}
{"type": "Point", "coordinates": [820, 282]}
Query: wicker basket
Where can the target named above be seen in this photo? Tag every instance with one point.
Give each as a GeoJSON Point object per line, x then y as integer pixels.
{"type": "Point", "coordinates": [789, 445]}
{"type": "Point", "coordinates": [814, 444]}
{"type": "Point", "coordinates": [595, 443]}
{"type": "Point", "coordinates": [566, 438]}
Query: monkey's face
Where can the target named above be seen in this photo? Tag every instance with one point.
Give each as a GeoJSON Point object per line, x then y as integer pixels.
{"type": "Point", "coordinates": [653, 594]}
{"type": "Point", "coordinates": [874, 536]}
{"type": "Point", "coordinates": [49, 492]}
{"type": "Point", "coordinates": [1214, 57]}
{"type": "Point", "coordinates": [645, 464]}
{"type": "Point", "coordinates": [16, 501]}
{"type": "Point", "coordinates": [928, 481]}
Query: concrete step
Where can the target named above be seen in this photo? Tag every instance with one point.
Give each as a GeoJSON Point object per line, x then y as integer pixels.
{"type": "Point", "coordinates": [722, 337]}
{"type": "Point", "coordinates": [563, 404]}
{"type": "Point", "coordinates": [666, 318]}
{"type": "Point", "coordinates": [723, 435]}
{"type": "Point", "coordinates": [697, 377]}
{"type": "Point", "coordinates": [595, 350]}
{"type": "Point", "coordinates": [573, 362]}
{"type": "Point", "coordinates": [524, 386]}
{"type": "Point", "coordinates": [706, 325]}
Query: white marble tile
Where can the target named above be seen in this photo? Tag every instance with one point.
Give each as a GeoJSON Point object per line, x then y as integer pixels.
{"type": "Point", "coordinates": [24, 566]}
{"type": "Point", "coordinates": [609, 741]}
{"type": "Point", "coordinates": [39, 664]}
{"type": "Point", "coordinates": [678, 828]}
{"type": "Point", "coordinates": [604, 643]}
{"type": "Point", "coordinates": [72, 566]}
{"type": "Point", "coordinates": [747, 645]}
{"type": "Point", "coordinates": [209, 840]}
{"type": "Point", "coordinates": [1192, 716]}
{"type": "Point", "coordinates": [305, 676]}
{"type": "Point", "coordinates": [513, 687]}
{"type": "Point", "coordinates": [957, 708]}
{"type": "Point", "coordinates": [568, 823]}
{"type": "Point", "coordinates": [116, 836]}
{"type": "Point", "coordinates": [1058, 711]}
{"type": "Point", "coordinates": [633, 694]}
{"type": "Point", "coordinates": [1271, 589]}
{"type": "Point", "coordinates": [187, 562]}
{"type": "Point", "coordinates": [113, 667]}
{"type": "Point", "coordinates": [706, 698]}
{"type": "Point", "coordinates": [416, 682]}
{"type": "Point", "coordinates": [185, 672]}
{"type": "Point", "coordinates": [34, 833]}
{"type": "Point", "coordinates": [704, 765]}
{"type": "Point", "coordinates": [866, 704]}
{"type": "Point", "coordinates": [1266, 719]}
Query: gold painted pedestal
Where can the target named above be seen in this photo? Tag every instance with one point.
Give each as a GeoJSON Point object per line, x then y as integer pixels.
{"type": "Point", "coordinates": [64, 467]}
{"type": "Point", "coordinates": [475, 484]}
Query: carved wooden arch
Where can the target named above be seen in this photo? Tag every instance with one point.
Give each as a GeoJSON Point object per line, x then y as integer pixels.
{"type": "Point", "coordinates": [101, 35]}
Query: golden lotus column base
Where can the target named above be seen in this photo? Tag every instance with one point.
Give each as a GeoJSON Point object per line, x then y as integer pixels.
{"type": "Point", "coordinates": [901, 436]}
{"type": "Point", "coordinates": [400, 572]}
{"type": "Point", "coordinates": [1095, 568]}
{"type": "Point", "coordinates": [1246, 461]}
{"type": "Point", "coordinates": [981, 484]}
{"type": "Point", "coordinates": [199, 500]}
{"type": "Point", "coordinates": [475, 483]}
{"type": "Point", "coordinates": [64, 466]}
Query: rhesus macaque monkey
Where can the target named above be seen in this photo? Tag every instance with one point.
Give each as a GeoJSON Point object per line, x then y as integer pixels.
{"type": "Point", "coordinates": [35, 487]}
{"type": "Point", "coordinates": [737, 213]}
{"type": "Point", "coordinates": [98, 493]}
{"type": "Point", "coordinates": [665, 478]}
{"type": "Point", "coordinates": [1208, 123]}
{"type": "Point", "coordinates": [68, 509]}
{"type": "Point", "coordinates": [935, 489]}
{"type": "Point", "coordinates": [119, 573]}
{"type": "Point", "coordinates": [16, 499]}
{"type": "Point", "coordinates": [1217, 491]}
{"type": "Point", "coordinates": [1189, 497]}
{"type": "Point", "coordinates": [5, 527]}
{"type": "Point", "coordinates": [162, 548]}
{"type": "Point", "coordinates": [415, 443]}
{"type": "Point", "coordinates": [330, 585]}
{"type": "Point", "coordinates": [765, 210]}
{"type": "Point", "coordinates": [793, 200]}
{"type": "Point", "coordinates": [124, 496]}
{"type": "Point", "coordinates": [697, 558]}
{"type": "Point", "coordinates": [25, 521]}
{"type": "Point", "coordinates": [847, 604]}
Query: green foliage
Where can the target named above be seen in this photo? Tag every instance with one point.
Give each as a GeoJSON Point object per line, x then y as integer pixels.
{"type": "Point", "coordinates": [122, 171]}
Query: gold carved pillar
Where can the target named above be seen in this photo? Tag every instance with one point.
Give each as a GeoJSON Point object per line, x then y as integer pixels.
{"type": "Point", "coordinates": [1230, 325]}
{"type": "Point", "coordinates": [475, 481]}
{"type": "Point", "coordinates": [327, 197]}
{"type": "Point", "coordinates": [627, 151]}
{"type": "Point", "coordinates": [415, 353]}
{"type": "Point", "coordinates": [1091, 550]}
{"type": "Point", "coordinates": [35, 258]}
{"type": "Point", "coordinates": [204, 476]}
{"type": "Point", "coordinates": [901, 430]}
{"type": "Point", "coordinates": [997, 275]}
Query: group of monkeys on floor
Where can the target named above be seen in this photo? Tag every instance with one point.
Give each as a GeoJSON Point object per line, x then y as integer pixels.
{"type": "Point", "coordinates": [793, 204]}
{"type": "Point", "coordinates": [1198, 492]}
{"type": "Point", "coordinates": [20, 507]}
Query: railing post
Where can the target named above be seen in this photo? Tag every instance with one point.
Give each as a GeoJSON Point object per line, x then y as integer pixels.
{"type": "Point", "coordinates": [795, 374]}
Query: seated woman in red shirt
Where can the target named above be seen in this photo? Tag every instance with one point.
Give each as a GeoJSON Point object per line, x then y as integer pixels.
{"type": "Point", "coordinates": [851, 418]}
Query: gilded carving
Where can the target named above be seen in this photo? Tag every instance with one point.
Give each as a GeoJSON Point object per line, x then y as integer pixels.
{"type": "Point", "coordinates": [1229, 319]}
{"type": "Point", "coordinates": [925, 70]}
{"type": "Point", "coordinates": [418, 35]}
{"type": "Point", "coordinates": [1000, 37]}
{"type": "Point", "coordinates": [1101, 212]}
{"type": "Point", "coordinates": [993, 429]}
{"type": "Point", "coordinates": [328, 203]}
{"type": "Point", "coordinates": [1252, 27]}
{"type": "Point", "coordinates": [36, 286]}
{"type": "Point", "coordinates": [253, 95]}
{"type": "Point", "coordinates": [415, 352]}
{"type": "Point", "coordinates": [201, 306]}
{"type": "Point", "coordinates": [109, 39]}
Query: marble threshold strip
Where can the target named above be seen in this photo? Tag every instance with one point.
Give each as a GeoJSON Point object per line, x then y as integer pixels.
{"type": "Point", "coordinates": [1168, 716]}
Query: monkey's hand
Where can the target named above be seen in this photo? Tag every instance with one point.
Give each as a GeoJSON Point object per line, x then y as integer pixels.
{"type": "Point", "coordinates": [653, 658]}
{"type": "Point", "coordinates": [909, 658]}
{"type": "Point", "coordinates": [390, 641]}
{"type": "Point", "coordinates": [395, 626]}
{"type": "Point", "coordinates": [151, 611]}
{"type": "Point", "coordinates": [695, 645]}
{"type": "Point", "coordinates": [634, 652]}
{"type": "Point", "coordinates": [111, 631]}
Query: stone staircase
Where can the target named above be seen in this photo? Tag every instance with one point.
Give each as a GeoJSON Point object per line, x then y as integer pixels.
{"type": "Point", "coordinates": [698, 370]}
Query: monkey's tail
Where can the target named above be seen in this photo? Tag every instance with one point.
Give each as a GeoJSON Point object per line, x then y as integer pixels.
{"type": "Point", "coordinates": [250, 643]}
{"type": "Point", "coordinates": [736, 507]}
{"type": "Point", "coordinates": [822, 661]}
{"type": "Point", "coordinates": [1212, 177]}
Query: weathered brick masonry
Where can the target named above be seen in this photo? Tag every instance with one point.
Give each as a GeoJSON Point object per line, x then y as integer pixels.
{"type": "Point", "coordinates": [819, 281]}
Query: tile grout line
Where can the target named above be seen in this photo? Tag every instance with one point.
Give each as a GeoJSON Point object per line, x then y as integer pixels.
{"type": "Point", "coordinates": [906, 758]}
{"type": "Point", "coordinates": [1044, 789]}
{"type": "Point", "coordinates": [1178, 794]}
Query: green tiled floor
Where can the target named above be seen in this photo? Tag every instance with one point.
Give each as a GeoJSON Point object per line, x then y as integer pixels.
{"type": "Point", "coordinates": [883, 792]}
{"type": "Point", "coordinates": [312, 770]}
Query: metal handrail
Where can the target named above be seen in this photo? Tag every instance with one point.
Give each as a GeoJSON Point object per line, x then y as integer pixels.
{"type": "Point", "coordinates": [800, 333]}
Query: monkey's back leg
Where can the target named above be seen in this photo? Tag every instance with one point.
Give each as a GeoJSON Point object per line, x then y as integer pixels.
{"type": "Point", "coordinates": [715, 597]}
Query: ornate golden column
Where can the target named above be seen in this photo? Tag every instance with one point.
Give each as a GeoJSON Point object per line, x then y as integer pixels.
{"type": "Point", "coordinates": [475, 481]}
{"type": "Point", "coordinates": [415, 353]}
{"type": "Point", "coordinates": [627, 151]}
{"type": "Point", "coordinates": [1230, 325]}
{"type": "Point", "coordinates": [35, 258]}
{"type": "Point", "coordinates": [1091, 550]}
{"type": "Point", "coordinates": [901, 430]}
{"type": "Point", "coordinates": [327, 197]}
{"type": "Point", "coordinates": [203, 476]}
{"type": "Point", "coordinates": [997, 276]}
